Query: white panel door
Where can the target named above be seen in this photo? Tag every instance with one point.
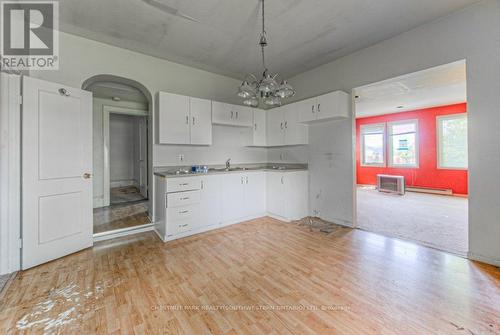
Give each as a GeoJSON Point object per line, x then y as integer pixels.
{"type": "Point", "coordinates": [232, 197]}
{"type": "Point", "coordinates": [255, 193]}
{"type": "Point", "coordinates": [295, 132]}
{"type": "Point", "coordinates": [173, 118]}
{"type": "Point", "coordinates": [275, 127]}
{"type": "Point", "coordinates": [201, 121]}
{"type": "Point", "coordinates": [259, 128]}
{"type": "Point", "coordinates": [56, 169]}
{"type": "Point", "coordinates": [210, 201]}
{"type": "Point", "coordinates": [276, 194]}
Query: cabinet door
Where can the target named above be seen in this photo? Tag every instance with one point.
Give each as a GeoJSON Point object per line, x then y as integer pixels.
{"type": "Point", "coordinates": [275, 194]}
{"type": "Point", "coordinates": [173, 118]}
{"type": "Point", "coordinates": [221, 113]}
{"type": "Point", "coordinates": [255, 193]}
{"type": "Point", "coordinates": [295, 132]}
{"type": "Point", "coordinates": [333, 105]}
{"type": "Point", "coordinates": [307, 110]}
{"type": "Point", "coordinates": [201, 121]}
{"type": "Point", "coordinates": [210, 201]}
{"type": "Point", "coordinates": [297, 194]}
{"type": "Point", "coordinates": [259, 128]}
{"type": "Point", "coordinates": [243, 116]}
{"type": "Point", "coordinates": [232, 197]}
{"type": "Point", "coordinates": [275, 127]}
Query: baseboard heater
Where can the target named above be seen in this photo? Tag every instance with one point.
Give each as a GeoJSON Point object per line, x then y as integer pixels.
{"type": "Point", "coordinates": [442, 191]}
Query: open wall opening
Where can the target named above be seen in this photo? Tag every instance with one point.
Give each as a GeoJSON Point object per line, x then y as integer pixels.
{"type": "Point", "coordinates": [121, 160]}
{"type": "Point", "coordinates": [412, 157]}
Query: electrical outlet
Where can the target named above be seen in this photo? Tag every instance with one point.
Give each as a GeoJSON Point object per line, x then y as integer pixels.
{"type": "Point", "coordinates": [181, 157]}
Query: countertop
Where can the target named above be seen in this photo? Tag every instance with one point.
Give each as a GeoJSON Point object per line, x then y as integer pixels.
{"type": "Point", "coordinates": [179, 171]}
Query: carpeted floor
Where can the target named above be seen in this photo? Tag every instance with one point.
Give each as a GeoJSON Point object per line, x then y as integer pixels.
{"type": "Point", "coordinates": [434, 220]}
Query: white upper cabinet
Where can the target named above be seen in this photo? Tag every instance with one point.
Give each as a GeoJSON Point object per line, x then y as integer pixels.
{"type": "Point", "coordinates": [275, 127]}
{"type": "Point", "coordinates": [283, 127]}
{"type": "Point", "coordinates": [201, 121]}
{"type": "Point", "coordinates": [173, 118]}
{"type": "Point", "coordinates": [231, 115]}
{"type": "Point", "coordinates": [330, 106]}
{"type": "Point", "coordinates": [307, 110]}
{"type": "Point", "coordinates": [259, 132]}
{"type": "Point", "coordinates": [295, 133]}
{"type": "Point", "coordinates": [183, 120]}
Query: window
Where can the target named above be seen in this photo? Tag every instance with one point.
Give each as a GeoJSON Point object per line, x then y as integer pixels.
{"type": "Point", "coordinates": [372, 145]}
{"type": "Point", "coordinates": [452, 141]}
{"type": "Point", "coordinates": [403, 143]}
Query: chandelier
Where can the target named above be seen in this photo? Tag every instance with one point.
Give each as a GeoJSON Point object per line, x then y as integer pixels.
{"type": "Point", "coordinates": [267, 88]}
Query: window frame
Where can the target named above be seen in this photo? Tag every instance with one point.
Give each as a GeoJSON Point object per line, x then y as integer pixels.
{"type": "Point", "coordinates": [390, 148]}
{"type": "Point", "coordinates": [384, 144]}
{"type": "Point", "coordinates": [439, 137]}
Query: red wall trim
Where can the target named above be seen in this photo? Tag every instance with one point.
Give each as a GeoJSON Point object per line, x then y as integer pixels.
{"type": "Point", "coordinates": [427, 174]}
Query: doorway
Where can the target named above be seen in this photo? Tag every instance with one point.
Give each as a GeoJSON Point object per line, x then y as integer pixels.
{"type": "Point", "coordinates": [121, 155]}
{"type": "Point", "coordinates": [411, 157]}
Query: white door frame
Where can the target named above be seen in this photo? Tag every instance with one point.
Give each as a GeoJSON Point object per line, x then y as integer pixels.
{"type": "Point", "coordinates": [106, 111]}
{"type": "Point", "coordinates": [10, 173]}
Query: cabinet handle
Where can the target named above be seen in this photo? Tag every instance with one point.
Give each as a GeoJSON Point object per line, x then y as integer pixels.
{"type": "Point", "coordinates": [193, 120]}
{"type": "Point", "coordinates": [187, 119]}
{"type": "Point", "coordinates": [236, 115]}
{"type": "Point", "coordinates": [255, 126]}
{"type": "Point", "coordinates": [286, 124]}
{"type": "Point", "coordinates": [241, 180]}
{"type": "Point", "coordinates": [232, 113]}
{"type": "Point", "coordinates": [281, 125]}
{"type": "Point", "coordinates": [183, 212]}
{"type": "Point", "coordinates": [185, 198]}
{"type": "Point", "coordinates": [202, 184]}
{"type": "Point", "coordinates": [319, 110]}
{"type": "Point", "coordinates": [312, 109]}
{"type": "Point", "coordinates": [184, 184]}
{"type": "Point", "coordinates": [246, 179]}
{"type": "Point", "coordinates": [282, 180]}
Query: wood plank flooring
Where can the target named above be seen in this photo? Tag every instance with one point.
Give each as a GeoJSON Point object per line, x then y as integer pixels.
{"type": "Point", "coordinates": [259, 277]}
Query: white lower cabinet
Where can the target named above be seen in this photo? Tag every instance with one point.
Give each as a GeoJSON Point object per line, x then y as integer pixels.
{"type": "Point", "coordinates": [189, 205]}
{"type": "Point", "coordinates": [288, 194]}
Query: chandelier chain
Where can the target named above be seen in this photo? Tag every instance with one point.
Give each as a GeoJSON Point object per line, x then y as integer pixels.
{"type": "Point", "coordinates": [263, 36]}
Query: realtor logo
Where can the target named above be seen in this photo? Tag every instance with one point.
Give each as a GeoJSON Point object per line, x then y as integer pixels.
{"type": "Point", "coordinates": [29, 35]}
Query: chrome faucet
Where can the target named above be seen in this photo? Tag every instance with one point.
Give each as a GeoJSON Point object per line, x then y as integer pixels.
{"type": "Point", "coordinates": [228, 164]}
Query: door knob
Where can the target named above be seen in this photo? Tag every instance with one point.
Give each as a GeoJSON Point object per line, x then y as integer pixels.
{"type": "Point", "coordinates": [87, 175]}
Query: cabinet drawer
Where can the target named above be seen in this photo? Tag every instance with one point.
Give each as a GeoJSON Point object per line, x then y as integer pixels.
{"type": "Point", "coordinates": [183, 198]}
{"type": "Point", "coordinates": [183, 184]}
{"type": "Point", "coordinates": [176, 214]}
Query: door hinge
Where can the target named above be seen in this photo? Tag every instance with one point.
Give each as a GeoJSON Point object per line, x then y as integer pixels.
{"type": "Point", "coordinates": [20, 97]}
{"type": "Point", "coordinates": [20, 242]}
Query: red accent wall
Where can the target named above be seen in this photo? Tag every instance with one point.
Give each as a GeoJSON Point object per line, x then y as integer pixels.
{"type": "Point", "coordinates": [427, 174]}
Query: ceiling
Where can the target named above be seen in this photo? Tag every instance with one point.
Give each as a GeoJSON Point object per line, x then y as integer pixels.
{"type": "Point", "coordinates": [438, 86]}
{"type": "Point", "coordinates": [302, 33]}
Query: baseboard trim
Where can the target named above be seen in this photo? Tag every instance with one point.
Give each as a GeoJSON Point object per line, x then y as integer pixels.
{"type": "Point", "coordinates": [123, 232]}
{"type": "Point", "coordinates": [483, 259]}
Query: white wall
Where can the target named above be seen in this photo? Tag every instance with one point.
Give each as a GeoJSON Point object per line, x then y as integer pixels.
{"type": "Point", "coordinates": [123, 134]}
{"type": "Point", "coordinates": [472, 34]}
{"type": "Point", "coordinates": [227, 142]}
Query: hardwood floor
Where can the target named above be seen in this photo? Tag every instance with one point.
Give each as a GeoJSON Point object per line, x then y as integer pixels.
{"type": "Point", "coordinates": [118, 216]}
{"type": "Point", "coordinates": [258, 277]}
